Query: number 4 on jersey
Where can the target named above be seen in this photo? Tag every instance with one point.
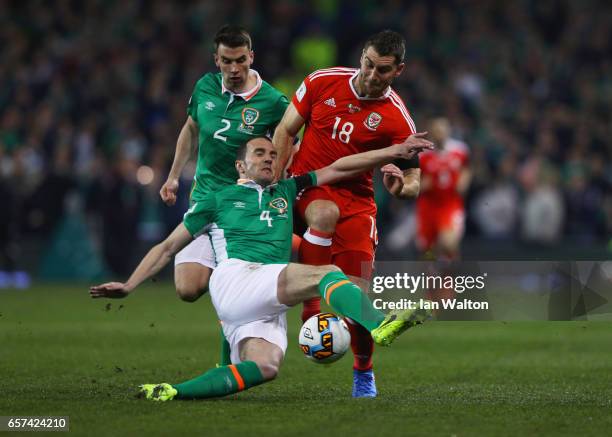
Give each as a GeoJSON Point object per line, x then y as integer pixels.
{"type": "Point", "coordinates": [265, 216]}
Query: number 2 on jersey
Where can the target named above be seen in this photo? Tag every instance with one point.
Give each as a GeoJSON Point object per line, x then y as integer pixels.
{"type": "Point", "coordinates": [345, 132]}
{"type": "Point", "coordinates": [265, 216]}
{"type": "Point", "coordinates": [226, 126]}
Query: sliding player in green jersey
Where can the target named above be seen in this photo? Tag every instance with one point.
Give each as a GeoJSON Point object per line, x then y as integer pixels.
{"type": "Point", "coordinates": [226, 109]}
{"type": "Point", "coordinates": [250, 225]}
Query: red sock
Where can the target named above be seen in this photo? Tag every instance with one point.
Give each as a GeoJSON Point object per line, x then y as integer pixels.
{"type": "Point", "coordinates": [443, 293]}
{"type": "Point", "coordinates": [311, 307]}
{"type": "Point", "coordinates": [358, 264]}
{"type": "Point", "coordinates": [362, 345]}
{"type": "Point", "coordinates": [316, 251]}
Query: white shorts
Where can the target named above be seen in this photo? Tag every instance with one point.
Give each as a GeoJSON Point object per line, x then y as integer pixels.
{"type": "Point", "coordinates": [198, 251]}
{"type": "Point", "coordinates": [244, 295]}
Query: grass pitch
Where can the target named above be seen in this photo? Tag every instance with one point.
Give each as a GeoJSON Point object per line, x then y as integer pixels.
{"type": "Point", "coordinates": [64, 354]}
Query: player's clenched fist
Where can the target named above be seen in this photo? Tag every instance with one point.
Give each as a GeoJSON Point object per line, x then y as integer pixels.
{"type": "Point", "coordinates": [391, 170]}
{"type": "Point", "coordinates": [393, 179]}
{"type": "Point", "coordinates": [168, 191]}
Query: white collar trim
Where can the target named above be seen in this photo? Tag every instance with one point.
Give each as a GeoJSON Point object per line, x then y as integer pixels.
{"type": "Point", "coordinates": [247, 95]}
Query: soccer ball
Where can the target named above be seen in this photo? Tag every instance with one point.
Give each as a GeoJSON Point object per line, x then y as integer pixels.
{"type": "Point", "coordinates": [324, 338]}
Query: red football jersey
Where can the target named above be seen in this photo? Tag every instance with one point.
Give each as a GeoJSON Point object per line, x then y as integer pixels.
{"type": "Point", "coordinates": [340, 123]}
{"type": "Point", "coordinates": [443, 167]}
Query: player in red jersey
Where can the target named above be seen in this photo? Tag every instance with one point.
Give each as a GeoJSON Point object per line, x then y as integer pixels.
{"type": "Point", "coordinates": [439, 209]}
{"type": "Point", "coordinates": [444, 180]}
{"type": "Point", "coordinates": [347, 111]}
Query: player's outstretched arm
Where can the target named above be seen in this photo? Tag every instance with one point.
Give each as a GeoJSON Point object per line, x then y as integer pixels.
{"type": "Point", "coordinates": [284, 137]}
{"type": "Point", "coordinates": [352, 165]}
{"type": "Point", "coordinates": [185, 146]}
{"type": "Point", "coordinates": [152, 263]}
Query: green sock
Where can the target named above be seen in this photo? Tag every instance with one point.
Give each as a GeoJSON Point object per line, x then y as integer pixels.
{"type": "Point", "coordinates": [225, 359]}
{"type": "Point", "coordinates": [347, 299]}
{"type": "Point", "coordinates": [221, 381]}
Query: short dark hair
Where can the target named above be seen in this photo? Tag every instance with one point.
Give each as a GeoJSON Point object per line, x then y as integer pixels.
{"type": "Point", "coordinates": [388, 43]}
{"type": "Point", "coordinates": [232, 36]}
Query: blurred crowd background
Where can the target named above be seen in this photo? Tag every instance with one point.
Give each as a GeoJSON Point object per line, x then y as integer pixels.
{"type": "Point", "coordinates": [94, 92]}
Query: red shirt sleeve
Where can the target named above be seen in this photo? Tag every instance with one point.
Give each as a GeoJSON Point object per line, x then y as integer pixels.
{"type": "Point", "coordinates": [403, 120]}
{"type": "Point", "coordinates": [303, 98]}
{"type": "Point", "coordinates": [404, 130]}
{"type": "Point", "coordinates": [462, 152]}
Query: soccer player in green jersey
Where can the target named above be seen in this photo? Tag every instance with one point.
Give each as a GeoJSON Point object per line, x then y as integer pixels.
{"type": "Point", "coordinates": [250, 225]}
{"type": "Point", "coordinates": [226, 110]}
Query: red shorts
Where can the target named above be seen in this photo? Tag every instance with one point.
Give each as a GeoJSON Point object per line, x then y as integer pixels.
{"type": "Point", "coordinates": [433, 218]}
{"type": "Point", "coordinates": [356, 227]}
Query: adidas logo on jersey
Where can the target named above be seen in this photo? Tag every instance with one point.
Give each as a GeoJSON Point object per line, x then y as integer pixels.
{"type": "Point", "coordinates": [330, 102]}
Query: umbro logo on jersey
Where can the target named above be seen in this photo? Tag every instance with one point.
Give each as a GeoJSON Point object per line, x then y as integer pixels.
{"type": "Point", "coordinates": [210, 105]}
{"type": "Point", "coordinates": [239, 205]}
{"type": "Point", "coordinates": [330, 102]}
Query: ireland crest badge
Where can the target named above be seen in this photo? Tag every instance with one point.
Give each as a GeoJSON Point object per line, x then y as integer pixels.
{"type": "Point", "coordinates": [249, 116]}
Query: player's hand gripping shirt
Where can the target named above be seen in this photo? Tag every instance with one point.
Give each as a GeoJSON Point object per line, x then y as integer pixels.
{"type": "Point", "coordinates": [340, 123]}
{"type": "Point", "coordinates": [226, 121]}
{"type": "Point", "coordinates": [248, 222]}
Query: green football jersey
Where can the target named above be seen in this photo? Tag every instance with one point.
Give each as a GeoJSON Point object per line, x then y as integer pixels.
{"type": "Point", "coordinates": [227, 120]}
{"type": "Point", "coordinates": [248, 222]}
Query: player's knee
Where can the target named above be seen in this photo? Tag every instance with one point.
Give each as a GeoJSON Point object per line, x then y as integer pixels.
{"type": "Point", "coordinates": [190, 285]}
{"type": "Point", "coordinates": [189, 293]}
{"type": "Point", "coordinates": [449, 242]}
{"type": "Point", "coordinates": [448, 248]}
{"type": "Point", "coordinates": [323, 216]}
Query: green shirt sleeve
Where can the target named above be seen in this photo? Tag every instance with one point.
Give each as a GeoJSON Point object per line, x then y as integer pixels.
{"type": "Point", "coordinates": [281, 107]}
{"type": "Point", "coordinates": [192, 106]}
{"type": "Point", "coordinates": [201, 215]}
{"type": "Point", "coordinates": [278, 111]}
